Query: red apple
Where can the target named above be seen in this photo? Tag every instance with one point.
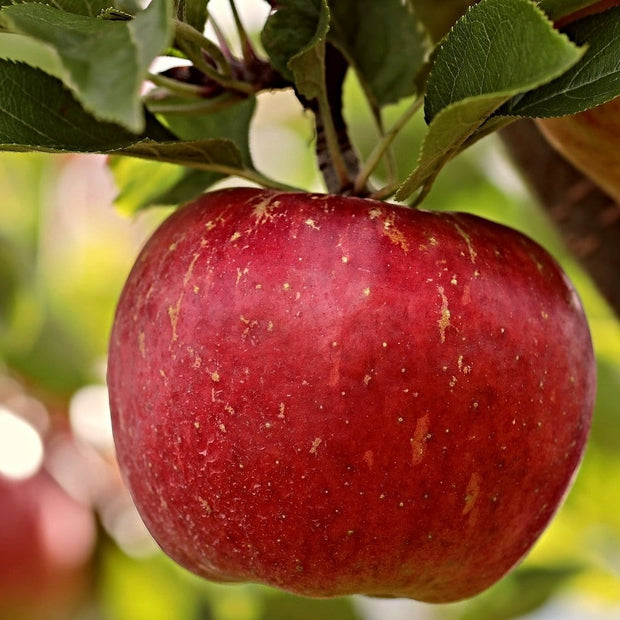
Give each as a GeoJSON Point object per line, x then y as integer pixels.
{"type": "Point", "coordinates": [590, 140]}
{"type": "Point", "coordinates": [333, 395]}
{"type": "Point", "coordinates": [46, 539]}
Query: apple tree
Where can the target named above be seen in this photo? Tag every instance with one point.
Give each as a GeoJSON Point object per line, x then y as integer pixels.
{"type": "Point", "coordinates": [405, 111]}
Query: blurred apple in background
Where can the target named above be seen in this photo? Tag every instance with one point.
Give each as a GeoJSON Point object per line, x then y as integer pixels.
{"type": "Point", "coordinates": [589, 140]}
{"type": "Point", "coordinates": [46, 535]}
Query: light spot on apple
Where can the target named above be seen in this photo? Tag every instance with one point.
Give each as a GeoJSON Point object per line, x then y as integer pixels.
{"type": "Point", "coordinates": [235, 236]}
{"type": "Point", "coordinates": [240, 274]}
{"type": "Point", "coordinates": [205, 505]}
{"type": "Point", "coordinates": [312, 224]}
{"type": "Point", "coordinates": [173, 313]}
{"type": "Point", "coordinates": [444, 318]}
{"type": "Point", "coordinates": [470, 247]}
{"type": "Point", "coordinates": [263, 211]}
{"type": "Point", "coordinates": [345, 259]}
{"type": "Point", "coordinates": [215, 376]}
{"type": "Point", "coordinates": [369, 458]}
{"type": "Point", "coordinates": [141, 345]}
{"type": "Point", "coordinates": [419, 439]}
{"type": "Point", "coordinates": [315, 445]}
{"type": "Point", "coordinates": [464, 368]}
{"type": "Point", "coordinates": [366, 292]}
{"type": "Point", "coordinates": [471, 493]}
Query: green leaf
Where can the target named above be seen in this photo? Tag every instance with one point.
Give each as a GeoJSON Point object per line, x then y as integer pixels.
{"type": "Point", "coordinates": [140, 182]}
{"type": "Point", "coordinates": [439, 17]}
{"type": "Point", "coordinates": [594, 80]}
{"type": "Point", "coordinates": [105, 62]}
{"type": "Point", "coordinates": [30, 51]}
{"type": "Point", "coordinates": [192, 12]}
{"type": "Point", "coordinates": [290, 30]}
{"type": "Point", "coordinates": [90, 8]}
{"type": "Point", "coordinates": [496, 50]}
{"type": "Point", "coordinates": [231, 122]}
{"type": "Point", "coordinates": [38, 113]}
{"type": "Point", "coordinates": [308, 64]}
{"type": "Point", "coordinates": [145, 183]}
{"type": "Point", "coordinates": [217, 154]}
{"type": "Point", "coordinates": [384, 42]}
{"type": "Point", "coordinates": [497, 47]}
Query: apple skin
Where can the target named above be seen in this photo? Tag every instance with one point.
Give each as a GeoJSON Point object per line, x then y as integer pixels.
{"type": "Point", "coordinates": [334, 395]}
{"type": "Point", "coordinates": [590, 141]}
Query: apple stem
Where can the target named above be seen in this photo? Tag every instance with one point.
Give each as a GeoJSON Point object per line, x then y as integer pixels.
{"type": "Point", "coordinates": [185, 89]}
{"type": "Point", "coordinates": [384, 144]}
{"type": "Point", "coordinates": [336, 157]}
{"type": "Point", "coordinates": [186, 33]}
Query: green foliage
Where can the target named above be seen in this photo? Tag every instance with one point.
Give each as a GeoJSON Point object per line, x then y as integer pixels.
{"type": "Point", "coordinates": [39, 113]}
{"type": "Point", "coordinates": [503, 59]}
{"type": "Point", "coordinates": [474, 73]}
{"type": "Point", "coordinates": [589, 83]}
{"type": "Point", "coordinates": [105, 62]}
{"type": "Point", "coordinates": [384, 43]}
{"type": "Point", "coordinates": [193, 12]}
{"type": "Point", "coordinates": [294, 28]}
{"type": "Point", "coordinates": [307, 64]}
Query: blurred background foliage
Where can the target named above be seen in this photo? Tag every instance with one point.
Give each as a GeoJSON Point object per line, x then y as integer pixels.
{"type": "Point", "coordinates": [67, 241]}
